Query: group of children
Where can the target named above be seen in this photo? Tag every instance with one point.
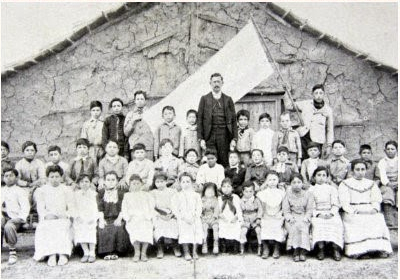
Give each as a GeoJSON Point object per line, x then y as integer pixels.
{"type": "Point", "coordinates": [108, 200]}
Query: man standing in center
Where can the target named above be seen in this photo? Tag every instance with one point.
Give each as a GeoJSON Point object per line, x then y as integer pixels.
{"type": "Point", "coordinates": [216, 125]}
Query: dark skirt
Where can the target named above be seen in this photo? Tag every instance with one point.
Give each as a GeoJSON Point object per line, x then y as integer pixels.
{"type": "Point", "coordinates": [112, 239]}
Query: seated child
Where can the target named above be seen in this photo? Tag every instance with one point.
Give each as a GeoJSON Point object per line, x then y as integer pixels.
{"type": "Point", "coordinates": [85, 217]}
{"type": "Point", "coordinates": [388, 173]}
{"type": "Point", "coordinates": [289, 138]}
{"type": "Point", "coordinates": [190, 164]}
{"type": "Point", "coordinates": [188, 139]}
{"type": "Point", "coordinates": [211, 171]}
{"type": "Point", "coordinates": [262, 139]}
{"type": "Point", "coordinates": [140, 165]}
{"type": "Point", "coordinates": [168, 163]}
{"type": "Point", "coordinates": [245, 136]}
{"type": "Point", "coordinates": [5, 161]}
{"type": "Point", "coordinates": [257, 171]}
{"type": "Point", "coordinates": [53, 236]}
{"type": "Point", "coordinates": [284, 167]}
{"type": "Point", "coordinates": [298, 206]}
{"type": "Point", "coordinates": [210, 215]}
{"type": "Point", "coordinates": [112, 237]}
{"type": "Point", "coordinates": [112, 161]}
{"type": "Point", "coordinates": [252, 213]}
{"type": "Point", "coordinates": [230, 218]}
{"type": "Point", "coordinates": [167, 130]}
{"type": "Point", "coordinates": [138, 212]}
{"type": "Point", "coordinates": [338, 165]}
{"type": "Point", "coordinates": [54, 153]}
{"type": "Point", "coordinates": [187, 208]}
{"type": "Point", "coordinates": [113, 127]}
{"type": "Point", "coordinates": [83, 164]}
{"type": "Point", "coordinates": [272, 229]}
{"type": "Point", "coordinates": [311, 163]}
{"type": "Point", "coordinates": [15, 210]}
{"type": "Point", "coordinates": [92, 130]}
{"type": "Point", "coordinates": [236, 172]}
{"type": "Point", "coordinates": [326, 223]}
{"type": "Point", "coordinates": [372, 166]}
{"type": "Point", "coordinates": [165, 224]}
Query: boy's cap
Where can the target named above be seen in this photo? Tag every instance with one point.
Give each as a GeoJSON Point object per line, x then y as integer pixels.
{"type": "Point", "coordinates": [95, 104]}
{"type": "Point", "coordinates": [313, 145]}
{"type": "Point", "coordinates": [283, 149]}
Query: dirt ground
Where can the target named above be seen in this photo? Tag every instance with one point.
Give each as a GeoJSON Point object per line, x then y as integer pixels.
{"type": "Point", "coordinates": [224, 266]}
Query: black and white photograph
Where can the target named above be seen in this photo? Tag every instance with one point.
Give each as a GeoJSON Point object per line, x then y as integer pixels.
{"type": "Point", "coordinates": [210, 140]}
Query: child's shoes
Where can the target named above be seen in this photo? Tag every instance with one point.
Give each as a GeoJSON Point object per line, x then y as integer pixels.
{"type": "Point", "coordinates": [216, 247]}
{"type": "Point", "coordinates": [276, 254]}
{"type": "Point", "coordinates": [63, 260]}
{"type": "Point", "coordinates": [204, 248]}
{"type": "Point", "coordinates": [259, 250]}
{"type": "Point", "coordinates": [177, 251]}
{"type": "Point", "coordinates": [241, 248]}
{"type": "Point", "coordinates": [84, 259]}
{"type": "Point", "coordinates": [12, 259]}
{"type": "Point", "coordinates": [302, 255]}
{"type": "Point", "coordinates": [265, 253]}
{"type": "Point", "coordinates": [91, 259]}
{"type": "Point", "coordinates": [52, 261]}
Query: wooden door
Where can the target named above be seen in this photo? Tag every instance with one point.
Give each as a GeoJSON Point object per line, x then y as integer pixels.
{"type": "Point", "coordinates": [259, 103]}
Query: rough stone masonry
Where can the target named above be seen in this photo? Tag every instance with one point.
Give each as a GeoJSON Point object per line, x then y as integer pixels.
{"type": "Point", "coordinates": [157, 48]}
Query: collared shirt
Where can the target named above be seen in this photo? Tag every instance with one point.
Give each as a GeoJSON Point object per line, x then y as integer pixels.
{"type": "Point", "coordinates": [257, 173]}
{"type": "Point", "coordinates": [339, 168]}
{"type": "Point", "coordinates": [16, 202]}
{"type": "Point", "coordinates": [138, 130]}
{"type": "Point", "coordinates": [263, 140]}
{"type": "Point", "coordinates": [5, 163]}
{"type": "Point", "coordinates": [117, 163]}
{"type": "Point", "coordinates": [31, 171]}
{"type": "Point", "coordinates": [189, 140]}
{"type": "Point", "coordinates": [211, 174]}
{"type": "Point", "coordinates": [92, 130]}
{"type": "Point", "coordinates": [170, 165]}
{"type": "Point", "coordinates": [308, 167]}
{"type": "Point", "coordinates": [293, 142]}
{"type": "Point", "coordinates": [89, 167]}
{"type": "Point", "coordinates": [388, 170]}
{"type": "Point", "coordinates": [285, 170]}
{"type": "Point", "coordinates": [64, 166]}
{"type": "Point", "coordinates": [170, 131]}
{"type": "Point", "coordinates": [245, 141]}
{"type": "Point", "coordinates": [144, 168]}
{"type": "Point", "coordinates": [192, 169]}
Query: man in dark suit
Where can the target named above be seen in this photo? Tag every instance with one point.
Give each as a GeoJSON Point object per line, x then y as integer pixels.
{"type": "Point", "coordinates": [216, 120]}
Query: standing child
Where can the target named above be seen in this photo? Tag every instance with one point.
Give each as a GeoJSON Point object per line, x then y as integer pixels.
{"type": "Point", "coordinates": [85, 217]}
{"type": "Point", "coordinates": [53, 236]}
{"type": "Point", "coordinates": [230, 218]}
{"type": "Point", "coordinates": [284, 167]}
{"type": "Point", "coordinates": [327, 226]}
{"type": "Point", "coordinates": [112, 238]}
{"type": "Point", "coordinates": [168, 163]}
{"type": "Point", "coordinates": [15, 205]}
{"type": "Point", "coordinates": [210, 171]}
{"type": "Point", "coordinates": [165, 224]}
{"type": "Point", "coordinates": [83, 164]}
{"type": "Point", "coordinates": [190, 165]}
{"type": "Point", "coordinates": [298, 206]}
{"type": "Point", "coordinates": [339, 166]}
{"type": "Point", "coordinates": [167, 130]}
{"type": "Point", "coordinates": [113, 128]}
{"type": "Point", "coordinates": [187, 208]}
{"type": "Point", "coordinates": [140, 165]}
{"type": "Point", "coordinates": [252, 213]}
{"type": "Point", "coordinates": [5, 161]}
{"type": "Point", "coordinates": [92, 130]}
{"type": "Point", "coordinates": [189, 135]}
{"type": "Point", "coordinates": [245, 136]}
{"type": "Point", "coordinates": [262, 139]}
{"type": "Point", "coordinates": [112, 161]}
{"type": "Point", "coordinates": [388, 173]}
{"type": "Point", "coordinates": [209, 215]}
{"type": "Point", "coordinates": [257, 171]}
{"type": "Point", "coordinates": [236, 172]}
{"type": "Point", "coordinates": [54, 153]}
{"type": "Point", "coordinates": [272, 229]}
{"type": "Point", "coordinates": [138, 212]}
{"type": "Point", "coordinates": [289, 138]}
{"type": "Point", "coordinates": [311, 163]}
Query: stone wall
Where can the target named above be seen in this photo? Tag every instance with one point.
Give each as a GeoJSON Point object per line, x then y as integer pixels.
{"type": "Point", "coordinates": [157, 49]}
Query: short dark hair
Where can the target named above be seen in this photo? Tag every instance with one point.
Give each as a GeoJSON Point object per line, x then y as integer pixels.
{"type": "Point", "coordinates": [338, 142]}
{"type": "Point", "coordinates": [83, 176]}
{"type": "Point", "coordinates": [185, 174]}
{"type": "Point", "coordinates": [138, 146]}
{"type": "Point", "coordinates": [391, 142]}
{"type": "Point", "coordinates": [272, 172]}
{"type": "Point", "coordinates": [313, 145]}
{"type": "Point", "coordinates": [296, 175]}
{"type": "Point", "coordinates": [5, 145]}
{"type": "Point", "coordinates": [358, 161]}
{"type": "Point", "coordinates": [135, 177]}
{"type": "Point", "coordinates": [318, 86]}
{"type": "Point", "coordinates": [112, 141]}
{"type": "Point", "coordinates": [209, 185]}
{"type": "Point", "coordinates": [282, 149]}
{"type": "Point", "coordinates": [112, 172]}
{"type": "Point", "coordinates": [264, 116]}
{"type": "Point", "coordinates": [28, 144]}
{"type": "Point", "coordinates": [169, 108]}
{"type": "Point", "coordinates": [96, 103]}
{"type": "Point", "coordinates": [82, 141]}
{"type": "Point", "coordinates": [191, 150]}
{"type": "Point", "coordinates": [165, 141]}
{"type": "Point", "coordinates": [13, 170]}
{"type": "Point", "coordinates": [236, 152]}
{"type": "Point", "coordinates": [54, 169]}
{"type": "Point", "coordinates": [286, 113]}
{"type": "Point", "coordinates": [365, 147]}
{"type": "Point", "coordinates": [259, 150]}
{"type": "Point", "coordinates": [116, 99]}
{"type": "Point", "coordinates": [140, 92]}
{"type": "Point", "coordinates": [160, 174]}
{"type": "Point", "coordinates": [248, 184]}
{"type": "Point", "coordinates": [320, 168]}
{"type": "Point", "coordinates": [54, 148]}
{"type": "Point", "coordinates": [191, 111]}
{"type": "Point", "coordinates": [216, 75]}
{"type": "Point", "coordinates": [226, 180]}
{"type": "Point", "coordinates": [244, 113]}
{"type": "Point", "coordinates": [211, 152]}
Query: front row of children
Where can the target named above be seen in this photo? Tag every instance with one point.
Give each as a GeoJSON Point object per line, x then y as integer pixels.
{"type": "Point", "coordinates": [116, 219]}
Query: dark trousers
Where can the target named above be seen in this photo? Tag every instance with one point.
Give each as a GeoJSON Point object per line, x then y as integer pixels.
{"type": "Point", "coordinates": [305, 140]}
{"type": "Point", "coordinates": [220, 139]}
